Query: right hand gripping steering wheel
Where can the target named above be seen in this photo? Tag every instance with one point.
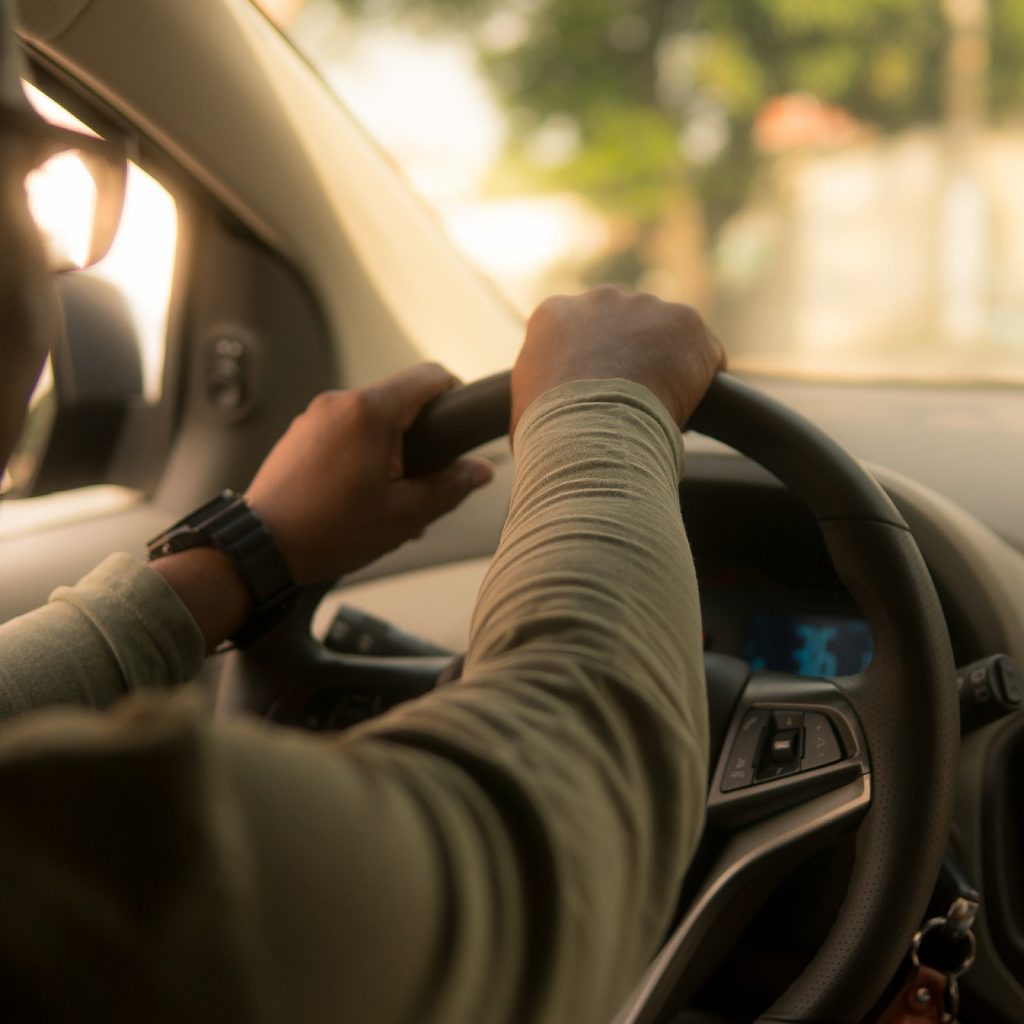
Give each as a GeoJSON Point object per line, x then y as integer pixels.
{"type": "Point", "coordinates": [897, 720]}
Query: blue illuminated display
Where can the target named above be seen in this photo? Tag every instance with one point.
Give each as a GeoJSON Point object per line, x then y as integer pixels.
{"type": "Point", "coordinates": [807, 645]}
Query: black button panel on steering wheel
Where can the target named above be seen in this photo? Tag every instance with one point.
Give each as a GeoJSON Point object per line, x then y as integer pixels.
{"type": "Point", "coordinates": [789, 739]}
{"type": "Point", "coordinates": [771, 744]}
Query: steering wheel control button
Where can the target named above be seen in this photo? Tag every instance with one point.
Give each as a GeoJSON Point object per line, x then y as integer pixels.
{"type": "Point", "coordinates": [821, 747]}
{"type": "Point", "coordinates": [788, 719]}
{"type": "Point", "coordinates": [978, 679]}
{"type": "Point", "coordinates": [785, 746]}
{"type": "Point", "coordinates": [782, 749]}
{"type": "Point", "coordinates": [989, 689]}
{"type": "Point", "coordinates": [742, 763]}
{"type": "Point", "coordinates": [775, 770]}
{"type": "Point", "coordinates": [1009, 681]}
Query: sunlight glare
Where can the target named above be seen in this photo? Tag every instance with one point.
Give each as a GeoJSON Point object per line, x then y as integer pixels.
{"type": "Point", "coordinates": [435, 114]}
{"type": "Point", "coordinates": [62, 198]}
{"type": "Point", "coordinates": [140, 263]}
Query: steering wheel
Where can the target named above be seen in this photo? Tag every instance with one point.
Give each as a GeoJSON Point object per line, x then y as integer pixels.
{"type": "Point", "coordinates": [876, 750]}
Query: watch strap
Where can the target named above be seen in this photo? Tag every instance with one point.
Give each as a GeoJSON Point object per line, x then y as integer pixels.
{"type": "Point", "coordinates": [230, 525]}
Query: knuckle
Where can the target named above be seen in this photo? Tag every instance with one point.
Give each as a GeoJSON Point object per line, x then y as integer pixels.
{"type": "Point", "coordinates": [440, 376]}
{"type": "Point", "coordinates": [366, 406]}
{"type": "Point", "coordinates": [361, 409]}
{"type": "Point", "coordinates": [690, 320]}
{"type": "Point", "coordinates": [548, 307]}
{"type": "Point", "coordinates": [322, 404]}
{"type": "Point", "coordinates": [427, 374]}
{"type": "Point", "coordinates": [608, 292]}
{"type": "Point", "coordinates": [321, 409]}
{"type": "Point", "coordinates": [547, 313]}
{"type": "Point", "coordinates": [435, 369]}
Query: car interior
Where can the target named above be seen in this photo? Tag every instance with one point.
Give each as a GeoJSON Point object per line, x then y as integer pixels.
{"type": "Point", "coordinates": [859, 543]}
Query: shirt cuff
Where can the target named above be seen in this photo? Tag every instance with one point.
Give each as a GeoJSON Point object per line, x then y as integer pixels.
{"type": "Point", "coordinates": [147, 628]}
{"type": "Point", "coordinates": [599, 391]}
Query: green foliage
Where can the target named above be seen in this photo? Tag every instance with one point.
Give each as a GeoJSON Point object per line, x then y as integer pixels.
{"type": "Point", "coordinates": [879, 59]}
{"type": "Point", "coordinates": [728, 68]}
{"type": "Point", "coordinates": [628, 161]}
{"type": "Point", "coordinates": [1006, 85]}
{"type": "Point", "coordinates": [637, 76]}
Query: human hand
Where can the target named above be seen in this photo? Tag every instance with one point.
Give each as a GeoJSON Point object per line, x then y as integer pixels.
{"type": "Point", "coordinates": [332, 491]}
{"type": "Point", "coordinates": [608, 332]}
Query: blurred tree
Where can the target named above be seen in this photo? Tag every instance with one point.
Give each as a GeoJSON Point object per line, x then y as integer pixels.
{"type": "Point", "coordinates": [632, 101]}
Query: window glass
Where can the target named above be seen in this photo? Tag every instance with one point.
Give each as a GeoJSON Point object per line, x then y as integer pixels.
{"type": "Point", "coordinates": [835, 184]}
{"type": "Point", "coordinates": [139, 264]}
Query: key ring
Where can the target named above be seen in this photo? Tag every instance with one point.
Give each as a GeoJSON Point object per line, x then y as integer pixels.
{"type": "Point", "coordinates": [952, 1001]}
{"type": "Point", "coordinates": [956, 928]}
{"type": "Point", "coordinates": [960, 933]}
{"type": "Point", "coordinates": [932, 925]}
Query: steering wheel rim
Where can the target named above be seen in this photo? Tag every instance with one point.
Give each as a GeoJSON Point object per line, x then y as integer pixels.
{"type": "Point", "coordinates": [905, 702]}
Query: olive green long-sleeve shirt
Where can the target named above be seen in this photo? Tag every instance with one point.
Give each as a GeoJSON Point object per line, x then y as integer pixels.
{"type": "Point", "coordinates": [505, 849]}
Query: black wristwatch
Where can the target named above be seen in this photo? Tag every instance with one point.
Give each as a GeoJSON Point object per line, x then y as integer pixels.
{"type": "Point", "coordinates": [228, 524]}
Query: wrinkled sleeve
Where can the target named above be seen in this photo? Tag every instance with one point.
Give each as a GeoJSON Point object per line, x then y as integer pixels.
{"type": "Point", "coordinates": [565, 776]}
{"type": "Point", "coordinates": [122, 628]}
{"type": "Point", "coordinates": [505, 850]}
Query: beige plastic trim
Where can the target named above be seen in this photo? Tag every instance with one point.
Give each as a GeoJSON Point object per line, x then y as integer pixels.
{"type": "Point", "coordinates": [214, 84]}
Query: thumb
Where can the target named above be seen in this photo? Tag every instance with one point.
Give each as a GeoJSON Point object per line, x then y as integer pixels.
{"type": "Point", "coordinates": [431, 496]}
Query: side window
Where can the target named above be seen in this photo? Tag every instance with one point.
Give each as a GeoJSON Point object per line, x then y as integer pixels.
{"type": "Point", "coordinates": [106, 376]}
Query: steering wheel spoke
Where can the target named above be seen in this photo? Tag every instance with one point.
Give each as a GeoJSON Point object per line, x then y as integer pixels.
{"type": "Point", "coordinates": [748, 863]}
{"type": "Point", "coordinates": [789, 771]}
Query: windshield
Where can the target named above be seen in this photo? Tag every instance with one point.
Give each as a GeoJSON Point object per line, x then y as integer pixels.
{"type": "Point", "coordinates": [836, 185]}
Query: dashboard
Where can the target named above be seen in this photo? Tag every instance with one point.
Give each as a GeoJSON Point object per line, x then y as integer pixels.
{"type": "Point", "coordinates": [806, 644]}
{"type": "Point", "coordinates": [769, 594]}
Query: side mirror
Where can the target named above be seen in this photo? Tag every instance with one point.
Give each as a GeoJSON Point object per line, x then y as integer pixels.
{"type": "Point", "coordinates": [97, 371]}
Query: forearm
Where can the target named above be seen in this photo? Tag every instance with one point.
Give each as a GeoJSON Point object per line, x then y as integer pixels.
{"type": "Point", "coordinates": [506, 849]}
{"type": "Point", "coordinates": [120, 629]}
{"type": "Point", "coordinates": [580, 723]}
{"type": "Point", "coordinates": [593, 601]}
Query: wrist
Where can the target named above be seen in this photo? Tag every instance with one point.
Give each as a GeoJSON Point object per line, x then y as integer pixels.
{"type": "Point", "coordinates": [593, 391]}
{"type": "Point", "coordinates": [247, 558]}
{"type": "Point", "coordinates": [211, 588]}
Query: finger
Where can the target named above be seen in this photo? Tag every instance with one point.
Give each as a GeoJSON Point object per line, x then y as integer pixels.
{"type": "Point", "coordinates": [428, 497]}
{"type": "Point", "coordinates": [402, 397]}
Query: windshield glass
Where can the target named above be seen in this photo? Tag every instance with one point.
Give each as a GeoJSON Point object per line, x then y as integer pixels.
{"type": "Point", "coordinates": [836, 185]}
